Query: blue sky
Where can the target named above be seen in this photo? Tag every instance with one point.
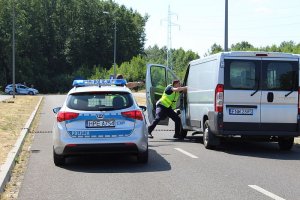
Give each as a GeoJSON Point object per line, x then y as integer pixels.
{"type": "Point", "coordinates": [260, 22]}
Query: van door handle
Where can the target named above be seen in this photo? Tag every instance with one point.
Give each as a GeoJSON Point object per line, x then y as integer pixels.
{"type": "Point", "coordinates": [270, 97]}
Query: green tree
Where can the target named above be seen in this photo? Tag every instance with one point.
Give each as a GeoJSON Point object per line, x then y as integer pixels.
{"type": "Point", "coordinates": [242, 46]}
{"type": "Point", "coordinates": [215, 48]}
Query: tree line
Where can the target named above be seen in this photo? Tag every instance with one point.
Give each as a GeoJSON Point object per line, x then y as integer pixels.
{"type": "Point", "coordinates": [60, 40]}
{"type": "Point", "coordinates": [57, 40]}
{"type": "Point", "coordinates": [285, 46]}
{"type": "Point", "coordinates": [135, 69]}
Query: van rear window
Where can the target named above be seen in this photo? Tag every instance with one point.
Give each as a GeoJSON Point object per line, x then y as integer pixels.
{"type": "Point", "coordinates": [240, 75]}
{"type": "Point", "coordinates": [280, 75]}
{"type": "Point", "coordinates": [99, 101]}
{"type": "Point", "coordinates": [269, 74]}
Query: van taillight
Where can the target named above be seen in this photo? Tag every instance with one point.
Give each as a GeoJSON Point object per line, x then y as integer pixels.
{"type": "Point", "coordinates": [134, 114]}
{"type": "Point", "coordinates": [63, 116]}
{"type": "Point", "coordinates": [219, 98]}
{"type": "Point", "coordinates": [298, 100]}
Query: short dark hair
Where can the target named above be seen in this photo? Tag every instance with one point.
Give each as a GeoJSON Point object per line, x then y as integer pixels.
{"type": "Point", "coordinates": [175, 81]}
{"type": "Point", "coordinates": [119, 76]}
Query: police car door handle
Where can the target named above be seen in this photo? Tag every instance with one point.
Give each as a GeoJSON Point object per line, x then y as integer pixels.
{"type": "Point", "coordinates": [270, 96]}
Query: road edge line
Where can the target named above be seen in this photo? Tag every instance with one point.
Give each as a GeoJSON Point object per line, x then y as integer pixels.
{"type": "Point", "coordinates": [7, 167]}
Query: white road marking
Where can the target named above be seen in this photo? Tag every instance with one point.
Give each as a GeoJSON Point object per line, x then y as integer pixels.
{"type": "Point", "coordinates": [265, 192]}
{"type": "Point", "coordinates": [186, 153]}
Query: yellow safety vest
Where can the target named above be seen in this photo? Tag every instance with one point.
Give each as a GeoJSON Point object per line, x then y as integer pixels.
{"type": "Point", "coordinates": [169, 100]}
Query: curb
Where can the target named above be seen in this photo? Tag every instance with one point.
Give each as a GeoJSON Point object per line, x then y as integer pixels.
{"type": "Point", "coordinates": [6, 168]}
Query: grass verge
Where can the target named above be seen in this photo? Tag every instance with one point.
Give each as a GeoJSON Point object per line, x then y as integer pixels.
{"type": "Point", "coordinates": [12, 188]}
{"type": "Point", "coordinates": [14, 115]}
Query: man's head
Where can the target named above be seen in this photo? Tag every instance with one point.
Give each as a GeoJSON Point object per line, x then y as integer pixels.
{"type": "Point", "coordinates": [119, 76]}
{"type": "Point", "coordinates": [176, 83]}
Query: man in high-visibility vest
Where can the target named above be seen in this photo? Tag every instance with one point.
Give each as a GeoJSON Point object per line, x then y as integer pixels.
{"type": "Point", "coordinates": [165, 107]}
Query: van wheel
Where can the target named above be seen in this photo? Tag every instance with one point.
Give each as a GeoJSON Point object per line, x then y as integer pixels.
{"type": "Point", "coordinates": [58, 159]}
{"type": "Point", "coordinates": [10, 93]}
{"type": "Point", "coordinates": [183, 132]}
{"type": "Point", "coordinates": [210, 141]}
{"type": "Point", "coordinates": [142, 157]}
{"type": "Point", "coordinates": [285, 143]}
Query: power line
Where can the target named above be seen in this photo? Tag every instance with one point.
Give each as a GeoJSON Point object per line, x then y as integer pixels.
{"type": "Point", "coordinates": [169, 36]}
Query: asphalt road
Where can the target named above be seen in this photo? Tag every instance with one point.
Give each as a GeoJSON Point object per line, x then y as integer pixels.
{"type": "Point", "coordinates": [236, 170]}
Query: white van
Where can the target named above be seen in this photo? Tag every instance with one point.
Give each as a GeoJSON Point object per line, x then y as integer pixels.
{"type": "Point", "coordinates": [247, 94]}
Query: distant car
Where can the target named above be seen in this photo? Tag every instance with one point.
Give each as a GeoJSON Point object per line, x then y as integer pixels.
{"type": "Point", "coordinates": [98, 120]}
{"type": "Point", "coordinates": [20, 89]}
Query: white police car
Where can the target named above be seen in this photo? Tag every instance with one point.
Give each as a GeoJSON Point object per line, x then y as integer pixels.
{"type": "Point", "coordinates": [99, 116]}
{"type": "Point", "coordinates": [20, 89]}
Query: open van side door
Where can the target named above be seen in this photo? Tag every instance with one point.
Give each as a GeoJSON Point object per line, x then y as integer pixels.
{"type": "Point", "coordinates": [157, 79]}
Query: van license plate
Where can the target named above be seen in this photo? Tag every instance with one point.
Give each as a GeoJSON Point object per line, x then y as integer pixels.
{"type": "Point", "coordinates": [100, 123]}
{"type": "Point", "coordinates": [240, 111]}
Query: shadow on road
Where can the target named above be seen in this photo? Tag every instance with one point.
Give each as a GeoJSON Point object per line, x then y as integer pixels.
{"type": "Point", "coordinates": [268, 150]}
{"type": "Point", "coordinates": [117, 164]}
{"type": "Point", "coordinates": [239, 147]}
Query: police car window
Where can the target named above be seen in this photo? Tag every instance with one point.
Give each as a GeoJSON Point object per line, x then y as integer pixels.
{"type": "Point", "coordinates": [280, 75]}
{"type": "Point", "coordinates": [99, 101]}
{"type": "Point", "coordinates": [240, 75]}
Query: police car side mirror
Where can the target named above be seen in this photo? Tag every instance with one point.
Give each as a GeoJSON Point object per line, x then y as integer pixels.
{"type": "Point", "coordinates": [144, 108]}
{"type": "Point", "coordinates": [56, 110]}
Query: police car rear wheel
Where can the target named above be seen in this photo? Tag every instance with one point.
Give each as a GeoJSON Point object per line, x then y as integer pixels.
{"type": "Point", "coordinates": [58, 159]}
{"type": "Point", "coordinates": [285, 144]}
{"type": "Point", "coordinates": [142, 157]}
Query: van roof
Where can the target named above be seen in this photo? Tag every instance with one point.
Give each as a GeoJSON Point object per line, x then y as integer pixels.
{"type": "Point", "coordinates": [248, 54]}
{"type": "Point", "coordinates": [259, 54]}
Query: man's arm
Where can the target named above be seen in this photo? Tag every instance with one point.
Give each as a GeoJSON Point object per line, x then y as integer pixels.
{"type": "Point", "coordinates": [179, 89]}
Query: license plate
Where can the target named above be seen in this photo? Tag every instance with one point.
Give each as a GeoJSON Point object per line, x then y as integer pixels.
{"type": "Point", "coordinates": [240, 111]}
{"type": "Point", "coordinates": [100, 123]}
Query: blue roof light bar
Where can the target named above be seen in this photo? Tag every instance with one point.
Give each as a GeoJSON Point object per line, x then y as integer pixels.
{"type": "Point", "coordinates": [99, 82]}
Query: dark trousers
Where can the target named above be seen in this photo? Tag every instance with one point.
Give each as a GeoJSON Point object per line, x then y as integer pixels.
{"type": "Point", "coordinates": [163, 112]}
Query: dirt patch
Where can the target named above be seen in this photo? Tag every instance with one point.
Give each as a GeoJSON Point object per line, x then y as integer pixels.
{"type": "Point", "coordinates": [14, 115]}
{"type": "Point", "coordinates": [140, 100]}
{"type": "Point", "coordinates": [12, 188]}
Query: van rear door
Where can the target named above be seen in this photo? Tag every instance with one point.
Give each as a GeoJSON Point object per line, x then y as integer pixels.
{"type": "Point", "coordinates": [157, 79]}
{"type": "Point", "coordinates": [279, 102]}
{"type": "Point", "coordinates": [242, 94]}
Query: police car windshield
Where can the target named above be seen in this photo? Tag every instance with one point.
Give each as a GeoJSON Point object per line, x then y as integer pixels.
{"type": "Point", "coordinates": [99, 101]}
